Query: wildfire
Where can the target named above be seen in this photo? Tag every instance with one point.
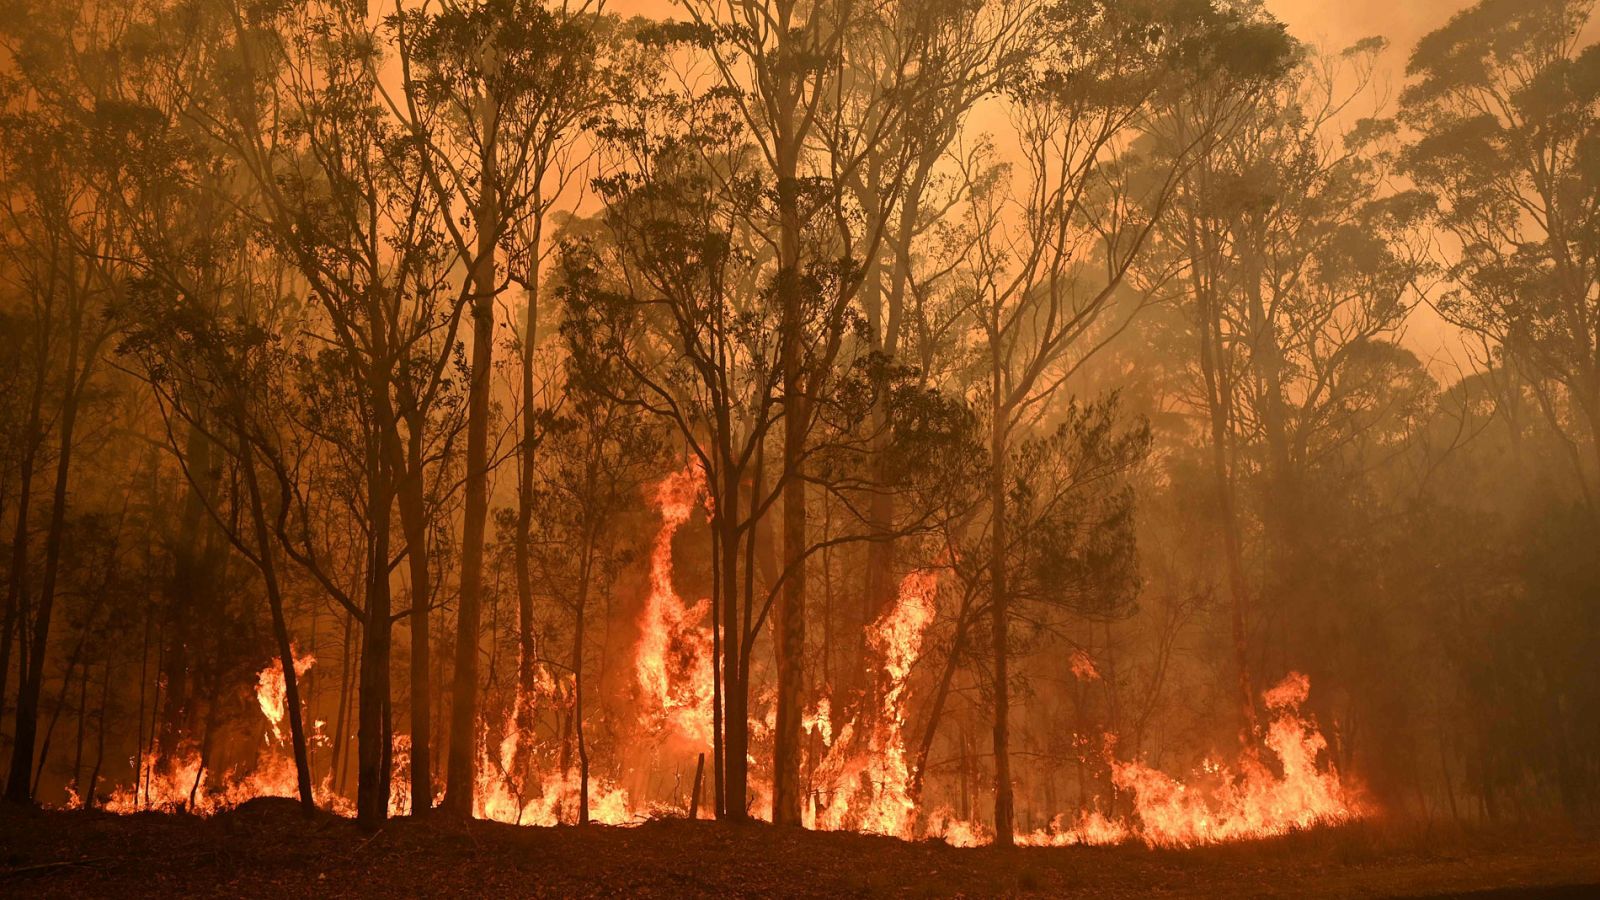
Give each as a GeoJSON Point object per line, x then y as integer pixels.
{"type": "Point", "coordinates": [863, 780]}
{"type": "Point", "coordinates": [1247, 802]}
{"type": "Point", "coordinates": [673, 661]}
{"type": "Point", "coordinates": [185, 782]}
{"type": "Point", "coordinates": [1255, 802]}
{"type": "Point", "coordinates": [868, 788]}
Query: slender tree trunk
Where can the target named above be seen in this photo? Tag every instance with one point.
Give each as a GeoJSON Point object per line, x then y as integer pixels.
{"type": "Point", "coordinates": [789, 617]}
{"type": "Point", "coordinates": [372, 788]}
{"type": "Point", "coordinates": [17, 586]}
{"type": "Point", "coordinates": [19, 785]}
{"type": "Point", "coordinates": [341, 738]}
{"type": "Point", "coordinates": [414, 522]}
{"type": "Point", "coordinates": [941, 695]}
{"type": "Point", "coordinates": [735, 698]}
{"type": "Point", "coordinates": [577, 681]}
{"type": "Point", "coordinates": [461, 774]}
{"type": "Point", "coordinates": [719, 668]}
{"type": "Point", "coordinates": [83, 714]}
{"type": "Point", "coordinates": [186, 592]}
{"type": "Point", "coordinates": [1219, 407]}
{"type": "Point", "coordinates": [280, 629]}
{"type": "Point", "coordinates": [527, 650]}
{"type": "Point", "coordinates": [1004, 804]}
{"type": "Point", "coordinates": [99, 737]}
{"type": "Point", "coordinates": [1232, 542]}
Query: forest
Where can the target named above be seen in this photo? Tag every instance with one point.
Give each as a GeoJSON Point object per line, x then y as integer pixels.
{"type": "Point", "coordinates": [999, 422]}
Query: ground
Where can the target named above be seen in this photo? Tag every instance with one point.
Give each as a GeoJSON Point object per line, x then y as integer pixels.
{"type": "Point", "coordinates": [267, 849]}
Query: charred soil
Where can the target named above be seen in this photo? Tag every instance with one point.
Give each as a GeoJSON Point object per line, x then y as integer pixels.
{"type": "Point", "coordinates": [266, 848]}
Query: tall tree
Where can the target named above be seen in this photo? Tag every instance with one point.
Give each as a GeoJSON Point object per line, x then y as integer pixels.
{"type": "Point", "coordinates": [1046, 273]}
{"type": "Point", "coordinates": [1503, 101]}
{"type": "Point", "coordinates": [495, 94]}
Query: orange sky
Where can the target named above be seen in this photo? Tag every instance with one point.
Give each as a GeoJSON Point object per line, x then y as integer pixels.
{"type": "Point", "coordinates": [1343, 22]}
{"type": "Point", "coordinates": [1337, 21]}
{"type": "Point", "coordinates": [1334, 24]}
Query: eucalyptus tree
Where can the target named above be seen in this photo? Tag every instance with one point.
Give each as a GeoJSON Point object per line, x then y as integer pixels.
{"type": "Point", "coordinates": [664, 304]}
{"type": "Point", "coordinates": [1502, 100]}
{"type": "Point", "coordinates": [961, 54]}
{"type": "Point", "coordinates": [62, 243]}
{"type": "Point", "coordinates": [1300, 266]}
{"type": "Point", "coordinates": [341, 198]}
{"type": "Point", "coordinates": [815, 118]}
{"type": "Point", "coordinates": [1049, 260]}
{"type": "Point", "coordinates": [495, 95]}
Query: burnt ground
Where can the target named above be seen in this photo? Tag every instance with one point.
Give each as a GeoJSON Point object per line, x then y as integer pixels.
{"type": "Point", "coordinates": [266, 849]}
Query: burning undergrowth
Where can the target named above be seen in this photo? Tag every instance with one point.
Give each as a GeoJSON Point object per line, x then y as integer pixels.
{"type": "Point", "coordinates": [862, 777]}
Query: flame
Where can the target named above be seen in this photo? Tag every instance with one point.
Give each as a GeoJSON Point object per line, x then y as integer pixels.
{"type": "Point", "coordinates": [1083, 667]}
{"type": "Point", "coordinates": [862, 781]}
{"type": "Point", "coordinates": [1222, 805]}
{"type": "Point", "coordinates": [272, 695]}
{"type": "Point", "coordinates": [1255, 802]}
{"type": "Point", "coordinates": [184, 781]}
{"type": "Point", "coordinates": [869, 789]}
{"type": "Point", "coordinates": [673, 659]}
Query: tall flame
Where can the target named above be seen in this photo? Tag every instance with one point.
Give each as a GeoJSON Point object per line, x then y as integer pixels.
{"type": "Point", "coordinates": [1222, 804]}
{"type": "Point", "coordinates": [868, 788]}
{"type": "Point", "coordinates": [1255, 802]}
{"type": "Point", "coordinates": [673, 661]}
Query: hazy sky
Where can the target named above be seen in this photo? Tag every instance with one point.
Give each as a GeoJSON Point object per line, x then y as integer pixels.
{"type": "Point", "coordinates": [1335, 24]}
{"type": "Point", "coordinates": [1343, 22]}
{"type": "Point", "coordinates": [1340, 23]}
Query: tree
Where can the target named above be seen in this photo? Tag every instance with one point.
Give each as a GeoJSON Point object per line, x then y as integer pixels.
{"type": "Point", "coordinates": [1046, 271]}
{"type": "Point", "coordinates": [1298, 264]}
{"type": "Point", "coordinates": [1503, 101]}
{"type": "Point", "coordinates": [60, 236]}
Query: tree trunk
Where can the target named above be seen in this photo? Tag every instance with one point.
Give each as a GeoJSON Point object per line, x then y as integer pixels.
{"type": "Point", "coordinates": [936, 706]}
{"type": "Point", "coordinates": [1003, 800]}
{"type": "Point", "coordinates": [527, 650]}
{"type": "Point", "coordinates": [577, 681]}
{"type": "Point", "coordinates": [414, 522]}
{"type": "Point", "coordinates": [372, 787]}
{"type": "Point", "coordinates": [1219, 406]}
{"type": "Point", "coordinates": [735, 717]}
{"type": "Point", "coordinates": [789, 617]}
{"type": "Point", "coordinates": [461, 774]}
{"type": "Point", "coordinates": [184, 592]}
{"type": "Point", "coordinates": [19, 786]}
{"type": "Point", "coordinates": [99, 737]}
{"type": "Point", "coordinates": [280, 630]}
{"type": "Point", "coordinates": [17, 586]}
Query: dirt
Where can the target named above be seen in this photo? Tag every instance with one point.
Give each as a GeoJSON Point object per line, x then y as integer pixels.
{"type": "Point", "coordinates": [268, 849]}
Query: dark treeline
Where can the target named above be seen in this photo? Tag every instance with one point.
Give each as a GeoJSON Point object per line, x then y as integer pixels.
{"type": "Point", "coordinates": [367, 331]}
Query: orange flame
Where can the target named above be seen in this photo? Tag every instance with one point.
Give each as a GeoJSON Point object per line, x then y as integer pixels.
{"type": "Point", "coordinates": [869, 790]}
{"type": "Point", "coordinates": [272, 694]}
{"type": "Point", "coordinates": [1221, 806]}
{"type": "Point", "coordinates": [1255, 803]}
{"type": "Point", "coordinates": [673, 661]}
